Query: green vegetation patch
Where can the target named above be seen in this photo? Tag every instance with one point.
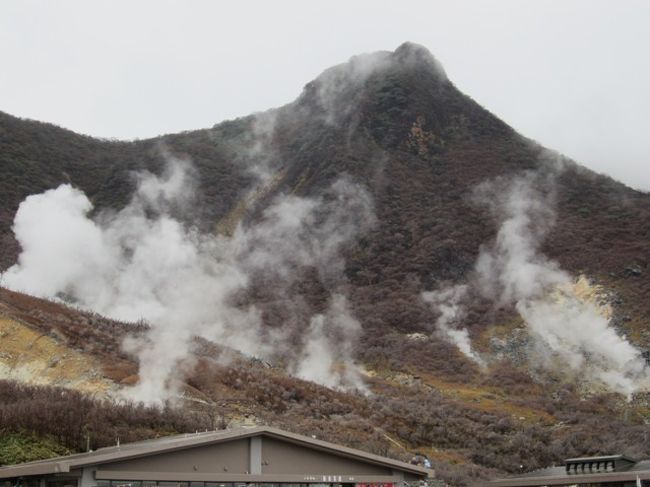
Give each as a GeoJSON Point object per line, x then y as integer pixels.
{"type": "Point", "coordinates": [25, 447]}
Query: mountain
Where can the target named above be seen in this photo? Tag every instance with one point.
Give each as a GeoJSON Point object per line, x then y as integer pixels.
{"type": "Point", "coordinates": [441, 174]}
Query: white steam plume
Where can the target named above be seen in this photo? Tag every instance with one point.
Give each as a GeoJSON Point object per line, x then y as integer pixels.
{"type": "Point", "coordinates": [448, 302]}
{"type": "Point", "coordinates": [327, 356]}
{"type": "Point", "coordinates": [141, 263]}
{"type": "Point", "coordinates": [307, 232]}
{"type": "Point", "coordinates": [513, 270]}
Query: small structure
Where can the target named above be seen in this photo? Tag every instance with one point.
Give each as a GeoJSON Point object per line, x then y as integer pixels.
{"type": "Point", "coordinates": [604, 471]}
{"type": "Point", "coordinates": [246, 457]}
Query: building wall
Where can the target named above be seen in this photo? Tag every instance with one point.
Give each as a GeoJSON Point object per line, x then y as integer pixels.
{"type": "Point", "coordinates": [281, 457]}
{"type": "Point", "coordinates": [231, 457]}
{"type": "Point", "coordinates": [255, 461]}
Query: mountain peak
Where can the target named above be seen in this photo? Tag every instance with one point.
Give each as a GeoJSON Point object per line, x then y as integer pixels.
{"type": "Point", "coordinates": [408, 56]}
{"type": "Point", "coordinates": [337, 91]}
{"type": "Point", "coordinates": [411, 54]}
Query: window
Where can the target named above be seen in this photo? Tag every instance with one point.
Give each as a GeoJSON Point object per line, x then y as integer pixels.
{"type": "Point", "coordinates": [125, 483]}
{"type": "Point", "coordinates": [62, 483]}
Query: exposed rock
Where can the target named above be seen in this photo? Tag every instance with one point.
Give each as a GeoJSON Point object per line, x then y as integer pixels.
{"type": "Point", "coordinates": [407, 380]}
{"type": "Point", "coordinates": [514, 347]}
{"type": "Point", "coordinates": [633, 270]}
{"type": "Point", "coordinates": [417, 337]}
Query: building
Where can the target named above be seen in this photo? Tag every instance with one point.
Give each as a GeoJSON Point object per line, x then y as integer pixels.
{"type": "Point", "coordinates": [605, 471]}
{"type": "Point", "coordinates": [258, 457]}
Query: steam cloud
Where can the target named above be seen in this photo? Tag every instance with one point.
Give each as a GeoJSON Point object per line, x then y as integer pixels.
{"type": "Point", "coordinates": [334, 333]}
{"type": "Point", "coordinates": [563, 326]}
{"type": "Point", "coordinates": [448, 302]}
{"type": "Point", "coordinates": [567, 331]}
{"type": "Point", "coordinates": [142, 263]}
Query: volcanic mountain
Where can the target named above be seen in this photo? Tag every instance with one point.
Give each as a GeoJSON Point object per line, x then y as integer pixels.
{"type": "Point", "coordinates": [437, 170]}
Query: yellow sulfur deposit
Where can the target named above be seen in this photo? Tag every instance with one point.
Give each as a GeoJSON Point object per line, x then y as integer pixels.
{"type": "Point", "coordinates": [29, 356]}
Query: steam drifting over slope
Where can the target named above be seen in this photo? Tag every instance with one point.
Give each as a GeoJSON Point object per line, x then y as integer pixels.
{"type": "Point", "coordinates": [566, 330]}
{"type": "Point", "coordinates": [568, 333]}
{"type": "Point", "coordinates": [391, 119]}
{"type": "Point", "coordinates": [449, 303]}
{"type": "Point", "coordinates": [141, 263]}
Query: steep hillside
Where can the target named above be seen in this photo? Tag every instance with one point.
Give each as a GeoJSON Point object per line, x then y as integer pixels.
{"type": "Point", "coordinates": [391, 120]}
{"type": "Point", "coordinates": [443, 181]}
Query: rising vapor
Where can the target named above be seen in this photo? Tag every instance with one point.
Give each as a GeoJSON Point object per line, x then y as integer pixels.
{"type": "Point", "coordinates": [142, 263]}
{"type": "Point", "coordinates": [567, 330]}
{"type": "Point", "coordinates": [449, 303]}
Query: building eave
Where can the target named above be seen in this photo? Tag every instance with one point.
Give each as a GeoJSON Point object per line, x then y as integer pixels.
{"type": "Point", "coordinates": [27, 470]}
{"type": "Point", "coordinates": [571, 479]}
{"type": "Point", "coordinates": [183, 442]}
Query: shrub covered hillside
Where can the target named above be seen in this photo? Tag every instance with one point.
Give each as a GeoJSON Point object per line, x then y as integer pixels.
{"type": "Point", "coordinates": [446, 243]}
{"type": "Point", "coordinates": [392, 121]}
{"type": "Point", "coordinates": [471, 426]}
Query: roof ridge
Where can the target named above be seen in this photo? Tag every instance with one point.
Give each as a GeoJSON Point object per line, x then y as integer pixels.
{"type": "Point", "coordinates": [188, 440]}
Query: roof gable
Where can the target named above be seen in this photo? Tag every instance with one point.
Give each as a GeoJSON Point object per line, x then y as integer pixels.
{"type": "Point", "coordinates": [149, 448]}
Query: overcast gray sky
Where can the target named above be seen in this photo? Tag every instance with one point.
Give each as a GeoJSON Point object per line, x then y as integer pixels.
{"type": "Point", "coordinates": [574, 75]}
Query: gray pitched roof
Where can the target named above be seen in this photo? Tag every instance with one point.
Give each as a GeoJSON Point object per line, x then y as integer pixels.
{"type": "Point", "coordinates": [181, 442]}
{"type": "Point", "coordinates": [603, 458]}
{"type": "Point", "coordinates": [559, 475]}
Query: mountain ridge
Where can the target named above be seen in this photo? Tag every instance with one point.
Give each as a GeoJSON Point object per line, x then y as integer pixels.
{"type": "Point", "coordinates": [395, 124]}
{"type": "Point", "coordinates": [438, 136]}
